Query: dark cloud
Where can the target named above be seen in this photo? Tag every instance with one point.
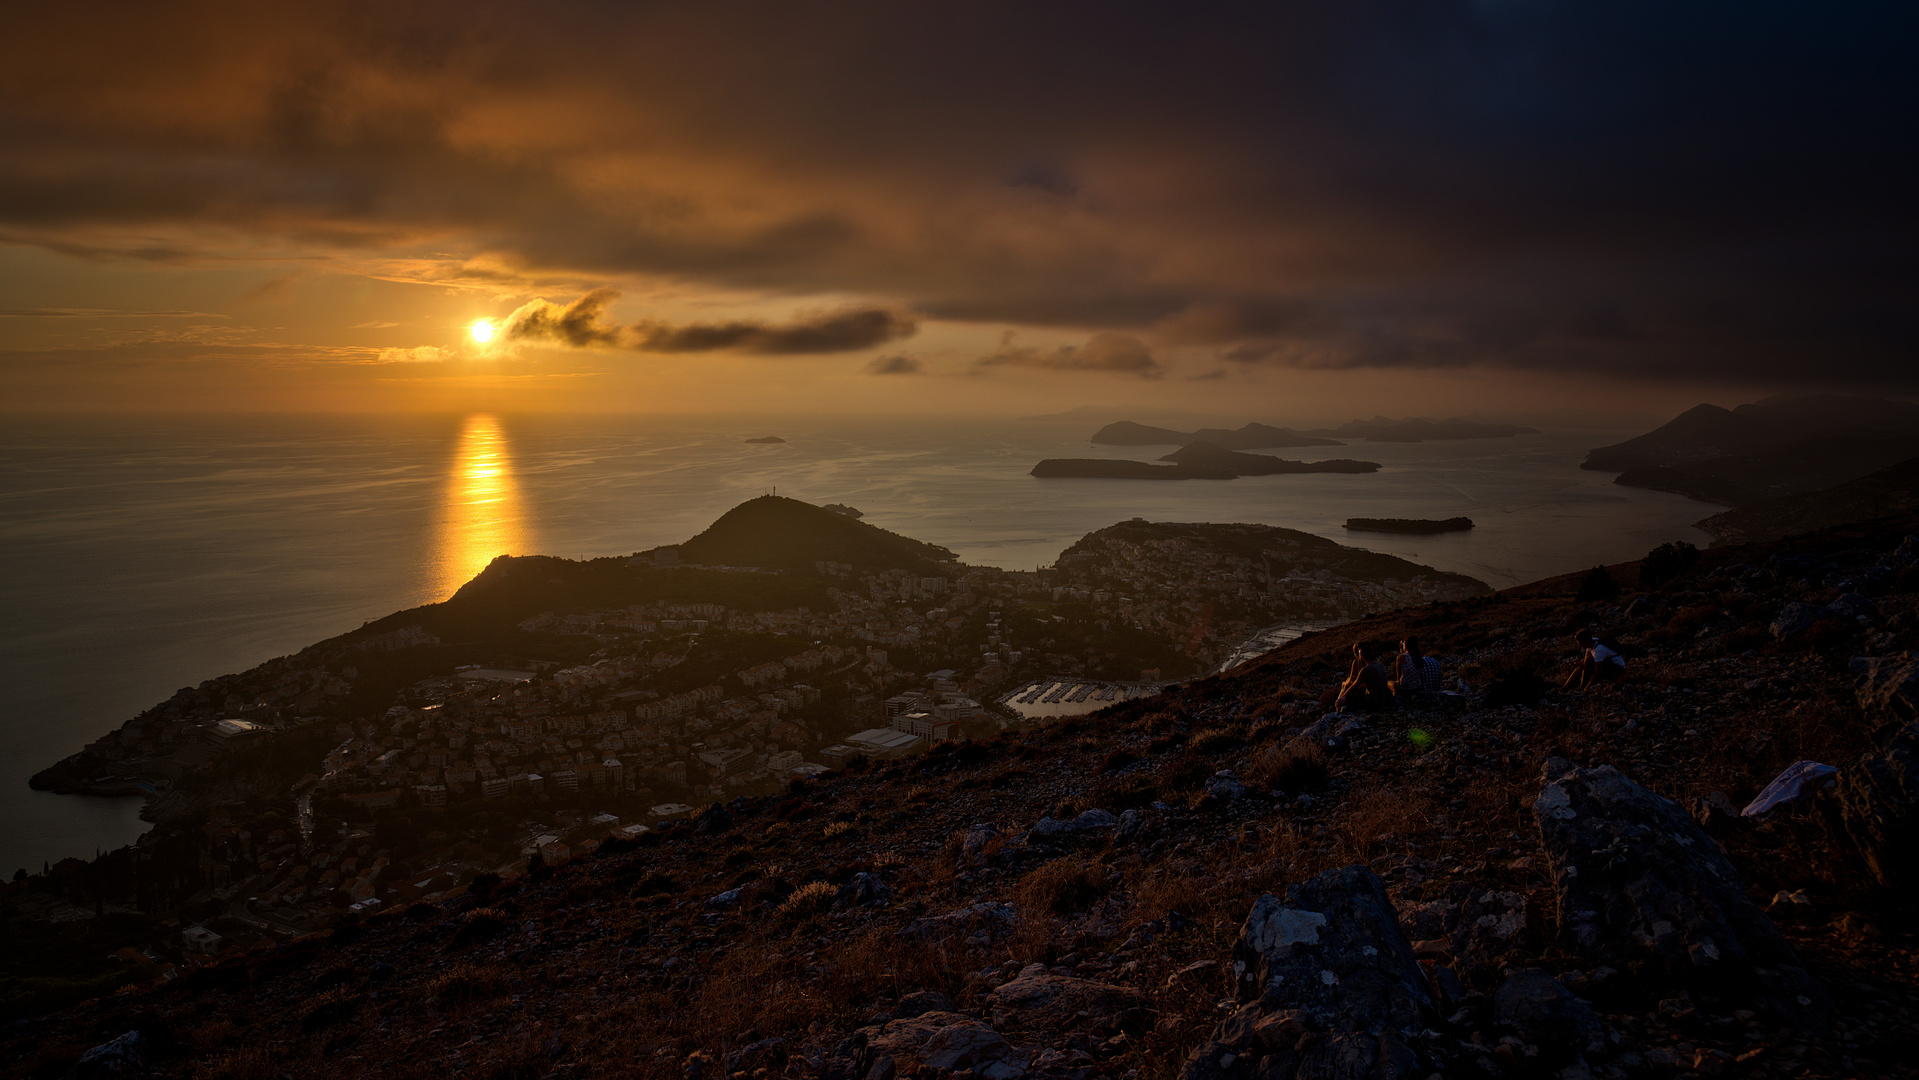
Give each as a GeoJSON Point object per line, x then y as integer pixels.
{"type": "Point", "coordinates": [894, 365]}
{"type": "Point", "coordinates": [579, 323]}
{"type": "Point", "coordinates": [1709, 189]}
{"type": "Point", "coordinates": [1120, 354]}
{"type": "Point", "coordinates": [826, 332]}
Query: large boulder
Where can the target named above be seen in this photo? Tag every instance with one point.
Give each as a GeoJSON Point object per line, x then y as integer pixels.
{"type": "Point", "coordinates": [1640, 886]}
{"type": "Point", "coordinates": [944, 1040]}
{"type": "Point", "coordinates": [1329, 985]}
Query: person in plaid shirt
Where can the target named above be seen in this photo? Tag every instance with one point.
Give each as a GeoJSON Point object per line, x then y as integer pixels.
{"type": "Point", "coordinates": [1413, 672]}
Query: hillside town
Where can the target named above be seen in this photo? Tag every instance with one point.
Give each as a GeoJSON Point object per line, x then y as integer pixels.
{"type": "Point", "coordinates": [397, 763]}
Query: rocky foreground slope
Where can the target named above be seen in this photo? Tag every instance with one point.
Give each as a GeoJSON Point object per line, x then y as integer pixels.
{"type": "Point", "coordinates": [1219, 883]}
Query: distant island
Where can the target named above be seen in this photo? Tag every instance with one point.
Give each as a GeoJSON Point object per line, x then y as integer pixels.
{"type": "Point", "coordinates": [1765, 450]}
{"type": "Point", "coordinates": [1410, 526]}
{"type": "Point", "coordinates": [1200, 461]}
{"type": "Point", "coordinates": [1205, 455]}
{"type": "Point", "coordinates": [1263, 436]}
{"type": "Point", "coordinates": [1420, 429]}
{"type": "Point", "coordinates": [767, 439]}
{"type": "Point", "coordinates": [1250, 437]}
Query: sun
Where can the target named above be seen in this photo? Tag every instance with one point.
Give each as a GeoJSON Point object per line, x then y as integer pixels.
{"type": "Point", "coordinates": [482, 331]}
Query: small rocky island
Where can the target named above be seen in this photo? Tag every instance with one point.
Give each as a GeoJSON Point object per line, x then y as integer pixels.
{"type": "Point", "coordinates": [1409, 526]}
{"type": "Point", "coordinates": [767, 439]}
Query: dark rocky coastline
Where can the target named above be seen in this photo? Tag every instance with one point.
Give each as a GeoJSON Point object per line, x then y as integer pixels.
{"type": "Point", "coordinates": [1410, 526]}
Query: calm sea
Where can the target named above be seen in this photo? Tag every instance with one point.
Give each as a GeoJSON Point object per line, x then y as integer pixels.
{"type": "Point", "coordinates": [146, 554]}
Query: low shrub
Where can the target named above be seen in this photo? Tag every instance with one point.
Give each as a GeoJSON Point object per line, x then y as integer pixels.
{"type": "Point", "coordinates": [1216, 741]}
{"type": "Point", "coordinates": [1666, 562]}
{"type": "Point", "coordinates": [1063, 886]}
{"type": "Point", "coordinates": [328, 1009]}
{"type": "Point", "coordinates": [481, 924]}
{"type": "Point", "coordinates": [807, 900]}
{"type": "Point", "coordinates": [1298, 765]}
{"type": "Point", "coordinates": [467, 983]}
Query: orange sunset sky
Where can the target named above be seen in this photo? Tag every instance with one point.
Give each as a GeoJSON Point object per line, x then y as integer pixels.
{"type": "Point", "coordinates": [1282, 211]}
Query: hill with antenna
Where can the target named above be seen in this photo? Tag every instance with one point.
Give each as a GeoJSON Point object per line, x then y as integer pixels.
{"type": "Point", "coordinates": [777, 533]}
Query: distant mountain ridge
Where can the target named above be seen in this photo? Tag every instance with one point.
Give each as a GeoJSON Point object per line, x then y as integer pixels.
{"type": "Point", "coordinates": [1420, 429]}
{"type": "Point", "coordinates": [1249, 437]}
{"type": "Point", "coordinates": [1256, 436]}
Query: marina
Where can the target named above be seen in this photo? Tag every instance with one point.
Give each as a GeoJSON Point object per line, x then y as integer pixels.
{"type": "Point", "coordinates": [1061, 695]}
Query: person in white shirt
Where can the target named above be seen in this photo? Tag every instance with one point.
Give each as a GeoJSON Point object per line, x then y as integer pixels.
{"type": "Point", "coordinates": [1601, 662]}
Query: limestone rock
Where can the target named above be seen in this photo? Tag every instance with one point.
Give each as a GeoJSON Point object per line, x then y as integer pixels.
{"type": "Point", "coordinates": [1797, 618]}
{"type": "Point", "coordinates": [864, 890]}
{"type": "Point", "coordinates": [1039, 1001]}
{"type": "Point", "coordinates": [1330, 985]}
{"type": "Point", "coordinates": [124, 1056]}
{"type": "Point", "coordinates": [1543, 1012]}
{"type": "Point", "coordinates": [1225, 787]}
{"type": "Point", "coordinates": [982, 844]}
{"type": "Point", "coordinates": [980, 923]}
{"type": "Point", "coordinates": [925, 1001]}
{"type": "Point", "coordinates": [1879, 801]}
{"type": "Point", "coordinates": [1089, 821]}
{"type": "Point", "coordinates": [1639, 884]}
{"type": "Point", "coordinates": [1854, 606]}
{"type": "Point", "coordinates": [945, 1040]}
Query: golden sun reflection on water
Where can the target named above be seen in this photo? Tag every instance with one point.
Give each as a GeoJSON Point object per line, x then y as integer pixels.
{"type": "Point", "coordinates": [482, 516]}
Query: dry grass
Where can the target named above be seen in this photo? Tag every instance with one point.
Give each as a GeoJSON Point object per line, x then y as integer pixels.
{"type": "Point", "coordinates": [1380, 818]}
{"type": "Point", "coordinates": [464, 984]}
{"type": "Point", "coordinates": [1063, 886]}
{"type": "Point", "coordinates": [1296, 766]}
{"type": "Point", "coordinates": [246, 1063]}
{"type": "Point", "coordinates": [807, 901]}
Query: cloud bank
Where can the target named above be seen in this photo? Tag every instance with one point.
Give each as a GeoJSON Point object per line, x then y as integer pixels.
{"type": "Point", "coordinates": [1110, 353]}
{"type": "Point", "coordinates": [1709, 190]}
{"type": "Point", "coordinates": [825, 332]}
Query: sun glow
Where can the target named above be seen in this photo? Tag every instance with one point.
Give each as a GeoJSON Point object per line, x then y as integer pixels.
{"type": "Point", "coordinates": [482, 516]}
{"type": "Point", "coordinates": [482, 331]}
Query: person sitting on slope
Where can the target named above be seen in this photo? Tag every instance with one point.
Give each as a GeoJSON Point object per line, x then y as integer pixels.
{"type": "Point", "coordinates": [1414, 672]}
{"type": "Point", "coordinates": [1602, 662]}
{"type": "Point", "coordinates": [1367, 687]}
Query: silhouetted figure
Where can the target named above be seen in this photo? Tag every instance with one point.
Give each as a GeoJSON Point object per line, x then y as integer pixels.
{"type": "Point", "coordinates": [1601, 662]}
{"type": "Point", "coordinates": [1414, 673]}
{"type": "Point", "coordinates": [1367, 686]}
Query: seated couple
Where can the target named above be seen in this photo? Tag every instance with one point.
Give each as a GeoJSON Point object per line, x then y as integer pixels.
{"type": "Point", "coordinates": [1370, 686]}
